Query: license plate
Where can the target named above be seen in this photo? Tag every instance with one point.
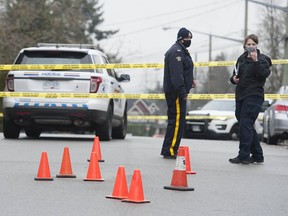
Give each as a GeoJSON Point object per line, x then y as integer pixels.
{"type": "Point", "coordinates": [51, 84]}
{"type": "Point", "coordinates": [196, 128]}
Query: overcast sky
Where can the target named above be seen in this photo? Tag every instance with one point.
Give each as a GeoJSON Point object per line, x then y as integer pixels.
{"type": "Point", "coordinates": [141, 38]}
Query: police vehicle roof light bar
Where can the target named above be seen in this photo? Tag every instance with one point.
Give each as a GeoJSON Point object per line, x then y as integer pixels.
{"type": "Point", "coordinates": [84, 46]}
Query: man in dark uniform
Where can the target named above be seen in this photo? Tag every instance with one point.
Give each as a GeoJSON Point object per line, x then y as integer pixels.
{"type": "Point", "coordinates": [178, 80]}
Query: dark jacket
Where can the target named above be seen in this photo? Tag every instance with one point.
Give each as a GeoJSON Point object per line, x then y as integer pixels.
{"type": "Point", "coordinates": [252, 75]}
{"type": "Point", "coordinates": [178, 70]}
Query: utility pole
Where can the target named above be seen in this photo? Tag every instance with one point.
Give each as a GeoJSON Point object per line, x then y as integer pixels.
{"type": "Point", "coordinates": [285, 66]}
{"type": "Point", "coordinates": [210, 48]}
{"type": "Point", "coordinates": [246, 19]}
{"type": "Point", "coordinates": [209, 68]}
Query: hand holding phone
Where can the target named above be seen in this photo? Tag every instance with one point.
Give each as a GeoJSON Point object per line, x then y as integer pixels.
{"type": "Point", "coordinates": [252, 52]}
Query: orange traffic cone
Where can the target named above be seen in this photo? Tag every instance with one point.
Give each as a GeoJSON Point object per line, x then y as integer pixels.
{"type": "Point", "coordinates": [187, 160]}
{"type": "Point", "coordinates": [136, 194]}
{"type": "Point", "coordinates": [120, 190]}
{"type": "Point", "coordinates": [44, 169]}
{"type": "Point", "coordinates": [96, 148]}
{"type": "Point", "coordinates": [179, 178]}
{"type": "Point", "coordinates": [93, 173]}
{"type": "Point", "coordinates": [66, 168]}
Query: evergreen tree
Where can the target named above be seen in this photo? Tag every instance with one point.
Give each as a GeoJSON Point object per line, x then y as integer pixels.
{"type": "Point", "coordinates": [25, 23]}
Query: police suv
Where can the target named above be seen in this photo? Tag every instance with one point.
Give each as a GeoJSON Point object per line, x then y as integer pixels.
{"type": "Point", "coordinates": [216, 120]}
{"type": "Point", "coordinates": [104, 116]}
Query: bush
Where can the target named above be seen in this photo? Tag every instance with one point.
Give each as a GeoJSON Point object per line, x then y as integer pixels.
{"type": "Point", "coordinates": [141, 129]}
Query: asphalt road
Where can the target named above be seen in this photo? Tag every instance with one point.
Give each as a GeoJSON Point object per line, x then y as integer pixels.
{"type": "Point", "coordinates": [221, 188]}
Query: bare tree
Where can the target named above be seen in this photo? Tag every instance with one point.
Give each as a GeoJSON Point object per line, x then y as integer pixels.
{"type": "Point", "coordinates": [271, 31]}
{"type": "Point", "coordinates": [217, 79]}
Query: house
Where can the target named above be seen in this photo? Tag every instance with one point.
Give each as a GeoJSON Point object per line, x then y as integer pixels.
{"type": "Point", "coordinates": [141, 107]}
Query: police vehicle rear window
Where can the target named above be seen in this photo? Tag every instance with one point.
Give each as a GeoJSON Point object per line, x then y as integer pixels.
{"type": "Point", "coordinates": [54, 57]}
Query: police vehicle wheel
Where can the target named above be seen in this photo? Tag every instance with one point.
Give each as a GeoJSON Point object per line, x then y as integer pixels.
{"type": "Point", "coordinates": [234, 132]}
{"type": "Point", "coordinates": [10, 130]}
{"type": "Point", "coordinates": [120, 131]}
{"type": "Point", "coordinates": [33, 133]}
{"type": "Point", "coordinates": [104, 131]}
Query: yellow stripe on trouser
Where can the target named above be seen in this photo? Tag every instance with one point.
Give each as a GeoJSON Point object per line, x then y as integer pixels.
{"type": "Point", "coordinates": [176, 130]}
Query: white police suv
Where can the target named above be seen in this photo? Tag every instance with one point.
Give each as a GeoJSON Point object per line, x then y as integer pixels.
{"type": "Point", "coordinates": [106, 117]}
{"type": "Point", "coordinates": [216, 120]}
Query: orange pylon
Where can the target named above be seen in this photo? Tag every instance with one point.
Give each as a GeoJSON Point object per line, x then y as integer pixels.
{"type": "Point", "coordinates": [136, 194]}
{"type": "Point", "coordinates": [44, 169]}
{"type": "Point", "coordinates": [187, 161]}
{"type": "Point", "coordinates": [93, 173]}
{"type": "Point", "coordinates": [66, 168]}
{"type": "Point", "coordinates": [120, 190]}
{"type": "Point", "coordinates": [96, 148]}
{"type": "Point", "coordinates": [179, 178]}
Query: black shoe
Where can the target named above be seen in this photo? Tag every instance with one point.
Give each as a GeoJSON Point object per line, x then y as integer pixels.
{"type": "Point", "coordinates": [237, 160]}
{"type": "Point", "coordinates": [169, 157]}
{"type": "Point", "coordinates": [254, 160]}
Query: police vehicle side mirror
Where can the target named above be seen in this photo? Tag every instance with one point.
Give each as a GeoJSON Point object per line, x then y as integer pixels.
{"type": "Point", "coordinates": [124, 78]}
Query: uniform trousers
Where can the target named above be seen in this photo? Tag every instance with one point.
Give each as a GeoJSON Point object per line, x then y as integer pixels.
{"type": "Point", "coordinates": [176, 114]}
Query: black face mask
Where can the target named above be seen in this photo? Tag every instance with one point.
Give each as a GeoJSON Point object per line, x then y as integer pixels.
{"type": "Point", "coordinates": [186, 43]}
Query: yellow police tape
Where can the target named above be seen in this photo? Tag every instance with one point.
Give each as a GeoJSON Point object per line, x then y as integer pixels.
{"type": "Point", "coordinates": [156, 117]}
{"type": "Point", "coordinates": [120, 65]}
{"type": "Point", "coordinates": [198, 117]}
{"type": "Point", "coordinates": [126, 96]}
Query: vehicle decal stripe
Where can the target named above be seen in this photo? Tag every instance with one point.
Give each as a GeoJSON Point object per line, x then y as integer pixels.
{"type": "Point", "coordinates": [176, 130]}
{"type": "Point", "coordinates": [50, 105]}
{"type": "Point", "coordinates": [31, 74]}
{"type": "Point", "coordinates": [72, 75]}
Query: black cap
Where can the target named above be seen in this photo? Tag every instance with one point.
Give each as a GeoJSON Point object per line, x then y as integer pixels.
{"type": "Point", "coordinates": [183, 33]}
